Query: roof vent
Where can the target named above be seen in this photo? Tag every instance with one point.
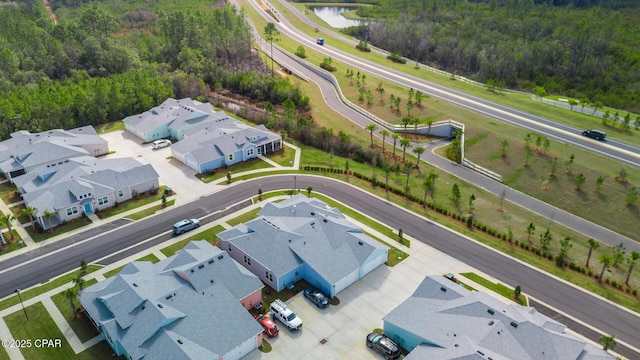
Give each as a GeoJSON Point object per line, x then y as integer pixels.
{"type": "Point", "coordinates": [324, 220]}
{"type": "Point", "coordinates": [514, 324]}
{"type": "Point", "coordinates": [443, 289]}
{"type": "Point", "coordinates": [160, 306]}
{"type": "Point", "coordinates": [480, 352]}
{"type": "Point", "coordinates": [313, 214]}
{"type": "Point", "coordinates": [192, 270]}
{"type": "Point", "coordinates": [135, 285]}
{"type": "Point", "coordinates": [168, 297]}
{"type": "Point", "coordinates": [211, 281]}
{"type": "Point", "coordinates": [210, 261]}
{"type": "Point", "coordinates": [220, 257]}
{"type": "Point", "coordinates": [360, 243]}
{"type": "Point", "coordinates": [491, 311]}
{"type": "Point", "coordinates": [200, 266]}
{"type": "Point", "coordinates": [180, 342]}
{"type": "Point", "coordinates": [490, 322]}
{"type": "Point", "coordinates": [313, 223]}
{"type": "Point", "coordinates": [456, 345]}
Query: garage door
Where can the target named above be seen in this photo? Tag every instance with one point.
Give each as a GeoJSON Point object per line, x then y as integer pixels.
{"type": "Point", "coordinates": [374, 263]}
{"type": "Point", "coordinates": [346, 281]}
{"type": "Point", "coordinates": [242, 350]}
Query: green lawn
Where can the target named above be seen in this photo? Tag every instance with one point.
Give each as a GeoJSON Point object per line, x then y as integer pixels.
{"type": "Point", "coordinates": [496, 287]}
{"type": "Point", "coordinates": [150, 257]}
{"type": "Point", "coordinates": [109, 127]}
{"type": "Point", "coordinates": [44, 287]}
{"type": "Point", "coordinates": [12, 244]}
{"type": "Point", "coordinates": [17, 212]}
{"type": "Point", "coordinates": [220, 173]}
{"type": "Point", "coordinates": [284, 157]}
{"type": "Point", "coordinates": [9, 193]}
{"type": "Point", "coordinates": [136, 202]}
{"type": "Point", "coordinates": [80, 324]}
{"type": "Point", "coordinates": [209, 235]}
{"type": "Point", "coordinates": [38, 236]}
{"type": "Point", "coordinates": [249, 215]}
{"type": "Point", "coordinates": [150, 211]}
{"type": "Point", "coordinates": [41, 326]}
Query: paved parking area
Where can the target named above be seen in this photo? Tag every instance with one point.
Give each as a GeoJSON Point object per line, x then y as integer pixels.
{"type": "Point", "coordinates": [361, 309]}
{"type": "Point", "coordinates": [172, 172]}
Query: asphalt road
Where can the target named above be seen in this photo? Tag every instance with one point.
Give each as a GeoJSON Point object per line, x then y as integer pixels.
{"type": "Point", "coordinates": [618, 150]}
{"type": "Point", "coordinates": [541, 208]}
{"type": "Point", "coordinates": [44, 264]}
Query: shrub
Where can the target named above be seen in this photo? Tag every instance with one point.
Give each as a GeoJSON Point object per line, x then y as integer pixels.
{"type": "Point", "coordinates": [559, 261]}
{"type": "Point", "coordinates": [363, 46]}
{"type": "Point", "coordinates": [396, 57]}
{"type": "Point", "coordinates": [634, 292]}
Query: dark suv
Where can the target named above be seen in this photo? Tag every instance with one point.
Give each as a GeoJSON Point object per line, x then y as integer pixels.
{"type": "Point", "coordinates": [383, 345]}
{"type": "Point", "coordinates": [595, 134]}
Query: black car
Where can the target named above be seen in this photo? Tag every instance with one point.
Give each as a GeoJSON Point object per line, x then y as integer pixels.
{"type": "Point", "coordinates": [383, 345]}
{"type": "Point", "coordinates": [595, 134]}
{"type": "Point", "coordinates": [317, 297]}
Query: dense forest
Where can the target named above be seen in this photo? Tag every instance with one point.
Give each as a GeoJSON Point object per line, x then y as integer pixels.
{"type": "Point", "coordinates": [101, 65]}
{"type": "Point", "coordinates": [586, 52]}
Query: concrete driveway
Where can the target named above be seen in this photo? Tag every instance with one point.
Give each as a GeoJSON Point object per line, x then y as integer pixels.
{"type": "Point", "coordinates": [361, 309]}
{"type": "Point", "coordinates": [172, 172]}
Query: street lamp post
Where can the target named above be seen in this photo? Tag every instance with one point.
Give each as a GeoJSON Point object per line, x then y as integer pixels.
{"type": "Point", "coordinates": [23, 309]}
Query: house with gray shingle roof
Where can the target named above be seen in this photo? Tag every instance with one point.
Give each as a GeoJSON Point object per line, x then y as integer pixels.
{"type": "Point", "coordinates": [83, 185]}
{"type": "Point", "coordinates": [443, 320]}
{"type": "Point", "coordinates": [216, 145]}
{"type": "Point", "coordinates": [25, 151]}
{"type": "Point", "coordinates": [192, 305]}
{"type": "Point", "coordinates": [171, 119]}
{"type": "Point", "coordinates": [303, 238]}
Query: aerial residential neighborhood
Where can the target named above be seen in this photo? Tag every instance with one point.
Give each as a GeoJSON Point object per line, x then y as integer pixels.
{"type": "Point", "coordinates": [278, 179]}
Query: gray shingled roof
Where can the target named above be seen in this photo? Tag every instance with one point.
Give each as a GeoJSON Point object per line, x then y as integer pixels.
{"type": "Point", "coordinates": [294, 232]}
{"type": "Point", "coordinates": [176, 114]}
{"type": "Point", "coordinates": [456, 323]}
{"type": "Point", "coordinates": [40, 153]}
{"type": "Point", "coordinates": [184, 307]}
{"type": "Point", "coordinates": [63, 194]}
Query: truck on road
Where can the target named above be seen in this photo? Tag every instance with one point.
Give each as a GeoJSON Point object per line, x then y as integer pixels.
{"type": "Point", "coordinates": [280, 311]}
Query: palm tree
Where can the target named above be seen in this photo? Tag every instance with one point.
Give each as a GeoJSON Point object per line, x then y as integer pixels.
{"type": "Point", "coordinates": [79, 282]}
{"type": "Point", "coordinates": [371, 128]}
{"type": "Point", "coordinates": [48, 215]}
{"type": "Point", "coordinates": [428, 121]}
{"type": "Point", "coordinates": [404, 143]}
{"type": "Point", "coordinates": [608, 342]}
{"type": "Point", "coordinates": [593, 244]}
{"type": "Point", "coordinates": [395, 137]}
{"type": "Point", "coordinates": [631, 260]}
{"type": "Point", "coordinates": [406, 120]}
{"type": "Point", "coordinates": [6, 219]}
{"type": "Point", "coordinates": [30, 211]}
{"type": "Point", "coordinates": [418, 150]}
{"type": "Point", "coordinates": [407, 170]}
{"type": "Point", "coordinates": [606, 262]}
{"type": "Point", "coordinates": [416, 121]}
{"type": "Point", "coordinates": [271, 33]}
{"type": "Point", "coordinates": [71, 294]}
{"type": "Point", "coordinates": [384, 133]}
{"type": "Point", "coordinates": [432, 182]}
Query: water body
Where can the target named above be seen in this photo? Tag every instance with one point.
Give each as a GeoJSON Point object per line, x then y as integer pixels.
{"type": "Point", "coordinates": [332, 15]}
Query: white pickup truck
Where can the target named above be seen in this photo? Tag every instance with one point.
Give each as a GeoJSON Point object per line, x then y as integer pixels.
{"type": "Point", "coordinates": [280, 311]}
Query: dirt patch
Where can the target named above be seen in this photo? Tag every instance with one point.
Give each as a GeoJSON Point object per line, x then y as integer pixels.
{"type": "Point", "coordinates": [51, 14]}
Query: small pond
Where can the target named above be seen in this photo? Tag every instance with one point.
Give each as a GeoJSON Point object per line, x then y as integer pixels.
{"type": "Point", "coordinates": [332, 15]}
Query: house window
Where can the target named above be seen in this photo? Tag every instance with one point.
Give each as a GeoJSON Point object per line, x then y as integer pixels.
{"type": "Point", "coordinates": [120, 193]}
{"type": "Point", "coordinates": [250, 152]}
{"type": "Point", "coordinates": [230, 157]}
{"type": "Point", "coordinates": [103, 200]}
{"type": "Point", "coordinates": [72, 210]}
{"type": "Point", "coordinates": [247, 260]}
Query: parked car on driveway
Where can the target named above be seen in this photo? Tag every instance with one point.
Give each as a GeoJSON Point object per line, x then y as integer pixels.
{"type": "Point", "coordinates": [316, 297]}
{"type": "Point", "coordinates": [270, 327]}
{"type": "Point", "coordinates": [185, 225]}
{"type": "Point", "coordinates": [595, 134]}
{"type": "Point", "coordinates": [383, 345]}
{"type": "Point", "coordinates": [160, 143]}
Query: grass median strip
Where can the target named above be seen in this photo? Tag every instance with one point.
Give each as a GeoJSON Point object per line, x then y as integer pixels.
{"type": "Point", "coordinates": [498, 288]}
{"type": "Point", "coordinates": [150, 211]}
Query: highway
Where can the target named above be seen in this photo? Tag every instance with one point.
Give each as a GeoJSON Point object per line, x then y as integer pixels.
{"type": "Point", "coordinates": [626, 153]}
{"type": "Point", "coordinates": [43, 264]}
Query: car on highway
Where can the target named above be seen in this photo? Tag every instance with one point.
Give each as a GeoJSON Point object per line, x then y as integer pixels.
{"type": "Point", "coordinates": [185, 225]}
{"type": "Point", "coordinates": [595, 134]}
{"type": "Point", "coordinates": [270, 327]}
{"type": "Point", "coordinates": [383, 345]}
{"type": "Point", "coordinates": [320, 41]}
{"type": "Point", "coordinates": [160, 143]}
{"type": "Point", "coordinates": [317, 297]}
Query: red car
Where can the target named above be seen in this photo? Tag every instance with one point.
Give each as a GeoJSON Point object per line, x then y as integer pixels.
{"type": "Point", "coordinates": [270, 328]}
